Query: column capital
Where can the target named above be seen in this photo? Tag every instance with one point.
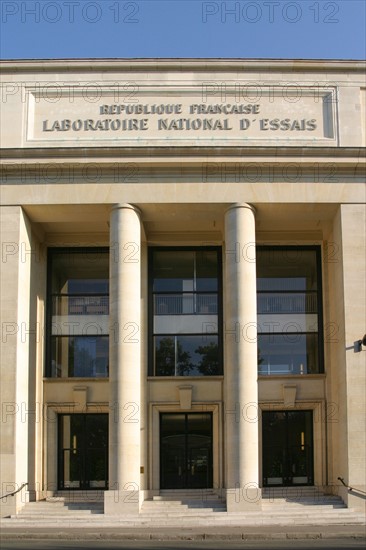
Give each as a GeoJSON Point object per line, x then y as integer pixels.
{"type": "Point", "coordinates": [241, 205]}
{"type": "Point", "coordinates": [125, 205]}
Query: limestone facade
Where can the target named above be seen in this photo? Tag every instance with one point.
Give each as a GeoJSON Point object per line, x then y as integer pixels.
{"type": "Point", "coordinates": [242, 369]}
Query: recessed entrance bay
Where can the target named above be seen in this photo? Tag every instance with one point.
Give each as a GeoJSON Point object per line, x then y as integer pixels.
{"type": "Point", "coordinates": [185, 450]}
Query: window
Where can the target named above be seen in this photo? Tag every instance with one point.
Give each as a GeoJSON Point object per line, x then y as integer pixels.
{"type": "Point", "coordinates": [78, 312]}
{"type": "Point", "coordinates": [289, 310]}
{"type": "Point", "coordinates": [185, 312]}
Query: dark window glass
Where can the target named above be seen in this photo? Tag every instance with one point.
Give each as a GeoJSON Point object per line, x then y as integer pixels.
{"type": "Point", "coordinates": [79, 305]}
{"type": "Point", "coordinates": [173, 271]}
{"type": "Point", "coordinates": [80, 271]}
{"type": "Point", "coordinates": [78, 312]}
{"type": "Point", "coordinates": [185, 312]}
{"type": "Point", "coordinates": [82, 356]}
{"type": "Point", "coordinates": [286, 269]}
{"type": "Point", "coordinates": [287, 448]}
{"type": "Point", "coordinates": [206, 271]}
{"type": "Point", "coordinates": [288, 353]}
{"type": "Point", "coordinates": [83, 451]}
{"type": "Point", "coordinates": [289, 310]}
{"type": "Point", "coordinates": [181, 355]}
{"type": "Point", "coordinates": [186, 450]}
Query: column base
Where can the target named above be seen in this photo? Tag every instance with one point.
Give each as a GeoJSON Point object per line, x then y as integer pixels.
{"type": "Point", "coordinates": [354, 499]}
{"type": "Point", "coordinates": [8, 507]}
{"type": "Point", "coordinates": [244, 500]}
{"type": "Point", "coordinates": [118, 503]}
{"type": "Point", "coordinates": [31, 496]}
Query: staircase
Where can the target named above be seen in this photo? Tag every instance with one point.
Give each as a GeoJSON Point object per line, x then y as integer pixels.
{"type": "Point", "coordinates": [281, 507]}
{"type": "Point", "coordinates": [193, 508]}
{"type": "Point", "coordinates": [78, 505]}
{"type": "Point", "coordinates": [183, 503]}
{"type": "Point", "coordinates": [305, 506]}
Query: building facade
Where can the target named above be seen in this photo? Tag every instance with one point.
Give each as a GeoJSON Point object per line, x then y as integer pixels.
{"type": "Point", "coordinates": [183, 278]}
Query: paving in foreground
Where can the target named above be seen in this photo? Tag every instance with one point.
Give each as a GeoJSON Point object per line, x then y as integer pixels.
{"type": "Point", "coordinates": [188, 515]}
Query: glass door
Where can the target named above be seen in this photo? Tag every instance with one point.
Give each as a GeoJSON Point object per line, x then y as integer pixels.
{"type": "Point", "coordinates": [287, 448]}
{"type": "Point", "coordinates": [185, 450]}
{"type": "Point", "coordinates": [83, 451]}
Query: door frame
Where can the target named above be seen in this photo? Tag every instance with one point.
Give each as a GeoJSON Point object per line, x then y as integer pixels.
{"type": "Point", "coordinates": [154, 440]}
{"type": "Point", "coordinates": [287, 450]}
{"type": "Point", "coordinates": [83, 454]}
{"type": "Point", "coordinates": [319, 436]}
{"type": "Point", "coordinates": [50, 438]}
{"type": "Point", "coordinates": [186, 434]}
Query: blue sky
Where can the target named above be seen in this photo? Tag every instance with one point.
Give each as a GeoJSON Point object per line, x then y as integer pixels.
{"type": "Point", "coordinates": [183, 28]}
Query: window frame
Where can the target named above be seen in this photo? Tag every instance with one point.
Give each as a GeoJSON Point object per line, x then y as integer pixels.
{"type": "Point", "coordinates": [319, 293]}
{"type": "Point", "coordinates": [51, 253]}
{"type": "Point", "coordinates": [219, 292]}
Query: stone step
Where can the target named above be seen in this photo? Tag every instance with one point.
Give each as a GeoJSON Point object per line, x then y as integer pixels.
{"type": "Point", "coordinates": [78, 496]}
{"type": "Point", "coordinates": [68, 506]}
{"type": "Point", "coordinates": [294, 509]}
{"type": "Point", "coordinates": [188, 508]}
{"type": "Point", "coordinates": [310, 503]}
{"type": "Point", "coordinates": [298, 505]}
{"type": "Point", "coordinates": [47, 504]}
{"type": "Point", "coordinates": [305, 500]}
{"type": "Point", "coordinates": [183, 502]}
{"type": "Point", "coordinates": [61, 508]}
{"type": "Point", "coordinates": [302, 500]}
{"type": "Point", "coordinates": [288, 492]}
{"type": "Point", "coordinates": [186, 512]}
{"type": "Point", "coordinates": [81, 513]}
{"type": "Point", "coordinates": [191, 521]}
{"type": "Point", "coordinates": [189, 493]}
{"type": "Point", "coordinates": [177, 501]}
{"type": "Point", "coordinates": [70, 513]}
{"type": "Point", "coordinates": [205, 511]}
{"type": "Point", "coordinates": [51, 517]}
{"type": "Point", "coordinates": [217, 518]}
{"type": "Point", "coordinates": [72, 501]}
{"type": "Point", "coordinates": [182, 497]}
{"type": "Point", "coordinates": [60, 511]}
{"type": "Point", "coordinates": [182, 505]}
{"type": "Point", "coordinates": [306, 494]}
{"type": "Point", "coordinates": [182, 509]}
{"type": "Point", "coordinates": [217, 513]}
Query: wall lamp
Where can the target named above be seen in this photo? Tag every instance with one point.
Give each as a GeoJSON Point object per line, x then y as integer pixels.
{"type": "Point", "coordinates": [361, 343]}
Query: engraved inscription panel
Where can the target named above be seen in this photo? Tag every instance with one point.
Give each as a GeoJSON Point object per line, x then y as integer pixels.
{"type": "Point", "coordinates": [182, 117]}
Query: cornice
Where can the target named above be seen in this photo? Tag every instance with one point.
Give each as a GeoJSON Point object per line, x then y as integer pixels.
{"type": "Point", "coordinates": [181, 65]}
{"type": "Point", "coordinates": [168, 156]}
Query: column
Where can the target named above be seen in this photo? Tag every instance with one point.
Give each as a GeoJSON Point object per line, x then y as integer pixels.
{"type": "Point", "coordinates": [345, 261]}
{"type": "Point", "coordinates": [124, 361]}
{"type": "Point", "coordinates": [17, 339]}
{"type": "Point", "coordinates": [240, 344]}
